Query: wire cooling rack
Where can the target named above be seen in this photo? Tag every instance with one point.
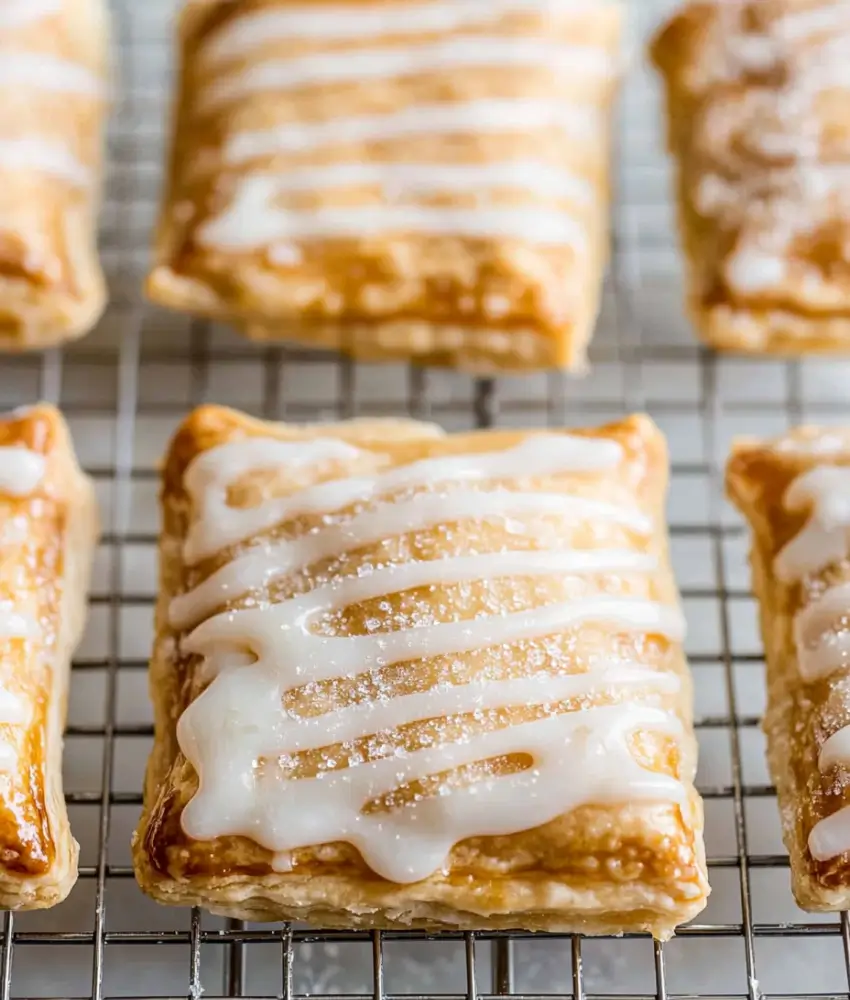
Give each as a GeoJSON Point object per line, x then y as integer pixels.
{"type": "Point", "coordinates": [124, 389]}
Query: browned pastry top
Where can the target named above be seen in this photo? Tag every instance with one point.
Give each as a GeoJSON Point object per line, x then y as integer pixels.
{"type": "Point", "coordinates": [654, 848]}
{"type": "Point", "coordinates": [32, 539]}
{"type": "Point", "coordinates": [804, 709]}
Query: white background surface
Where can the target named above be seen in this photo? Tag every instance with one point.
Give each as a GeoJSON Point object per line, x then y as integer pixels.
{"type": "Point", "coordinates": [125, 388]}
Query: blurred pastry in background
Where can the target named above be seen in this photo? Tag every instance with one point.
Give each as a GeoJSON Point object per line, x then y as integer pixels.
{"type": "Point", "coordinates": [407, 180]}
{"type": "Point", "coordinates": [52, 108]}
{"type": "Point", "coordinates": [758, 95]}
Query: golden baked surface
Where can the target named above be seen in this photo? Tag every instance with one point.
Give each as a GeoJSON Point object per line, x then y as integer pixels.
{"type": "Point", "coordinates": [52, 108]}
{"type": "Point", "coordinates": [47, 534]}
{"type": "Point", "coordinates": [808, 694]}
{"type": "Point", "coordinates": [757, 92]}
{"type": "Point", "coordinates": [396, 179]}
{"type": "Point", "coordinates": [604, 866]}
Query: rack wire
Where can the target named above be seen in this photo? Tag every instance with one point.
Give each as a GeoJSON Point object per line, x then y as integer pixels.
{"type": "Point", "coordinates": [124, 388]}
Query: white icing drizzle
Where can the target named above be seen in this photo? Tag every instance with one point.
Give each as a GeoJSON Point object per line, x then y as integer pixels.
{"type": "Point", "coordinates": [752, 270]}
{"type": "Point", "coordinates": [486, 115]}
{"type": "Point", "coordinates": [255, 216]}
{"type": "Point", "coordinates": [822, 628]}
{"type": "Point", "coordinates": [17, 13]}
{"type": "Point", "coordinates": [257, 567]}
{"type": "Point", "coordinates": [802, 24]}
{"type": "Point", "coordinates": [825, 537]}
{"type": "Point", "coordinates": [14, 625]}
{"type": "Point", "coordinates": [251, 221]}
{"type": "Point", "coordinates": [13, 709]}
{"type": "Point", "coordinates": [402, 180]}
{"type": "Point", "coordinates": [44, 156]}
{"type": "Point", "coordinates": [43, 72]}
{"type": "Point", "coordinates": [218, 525]}
{"type": "Point", "coordinates": [444, 55]}
{"type": "Point", "coordinates": [328, 23]}
{"type": "Point", "coordinates": [21, 470]}
{"type": "Point", "coordinates": [256, 655]}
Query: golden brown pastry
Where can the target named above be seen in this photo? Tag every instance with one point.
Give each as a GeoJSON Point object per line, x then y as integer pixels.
{"type": "Point", "coordinates": [408, 679]}
{"type": "Point", "coordinates": [757, 94]}
{"type": "Point", "coordinates": [401, 179]}
{"type": "Point", "coordinates": [795, 493]}
{"type": "Point", "coordinates": [52, 106]}
{"type": "Point", "coordinates": [48, 528]}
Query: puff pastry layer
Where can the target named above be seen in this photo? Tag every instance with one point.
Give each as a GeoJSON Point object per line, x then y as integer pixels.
{"type": "Point", "coordinates": [48, 528]}
{"type": "Point", "coordinates": [426, 680]}
{"type": "Point", "coordinates": [793, 491]}
{"type": "Point", "coordinates": [397, 179]}
{"type": "Point", "coordinates": [52, 68]}
{"type": "Point", "coordinates": [757, 94]}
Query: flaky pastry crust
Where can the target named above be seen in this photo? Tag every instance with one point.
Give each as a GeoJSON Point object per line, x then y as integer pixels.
{"type": "Point", "coordinates": [52, 112]}
{"type": "Point", "coordinates": [446, 200]}
{"type": "Point", "coordinates": [756, 100]}
{"type": "Point", "coordinates": [801, 714]}
{"type": "Point", "coordinates": [627, 866]}
{"type": "Point", "coordinates": [47, 539]}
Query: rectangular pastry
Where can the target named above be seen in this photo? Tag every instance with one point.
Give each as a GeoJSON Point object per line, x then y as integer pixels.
{"type": "Point", "coordinates": [408, 679]}
{"type": "Point", "coordinates": [794, 493]}
{"type": "Point", "coordinates": [403, 179]}
{"type": "Point", "coordinates": [48, 529]}
{"type": "Point", "coordinates": [52, 106]}
{"type": "Point", "coordinates": [757, 94]}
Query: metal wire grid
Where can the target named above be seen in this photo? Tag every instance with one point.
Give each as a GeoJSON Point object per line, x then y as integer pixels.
{"type": "Point", "coordinates": [128, 363]}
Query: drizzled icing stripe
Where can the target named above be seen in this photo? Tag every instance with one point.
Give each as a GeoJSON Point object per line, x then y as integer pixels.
{"type": "Point", "coordinates": [484, 116]}
{"type": "Point", "coordinates": [803, 24]}
{"type": "Point", "coordinates": [474, 51]}
{"type": "Point", "coordinates": [218, 525]}
{"type": "Point", "coordinates": [255, 656]}
{"type": "Point", "coordinates": [404, 180]}
{"type": "Point", "coordinates": [21, 470]}
{"type": "Point", "coordinates": [821, 637]}
{"type": "Point", "coordinates": [328, 23]}
{"type": "Point", "coordinates": [255, 569]}
{"type": "Point", "coordinates": [45, 157]}
{"type": "Point", "coordinates": [44, 72]}
{"type": "Point", "coordinates": [251, 222]}
{"type": "Point", "coordinates": [17, 13]}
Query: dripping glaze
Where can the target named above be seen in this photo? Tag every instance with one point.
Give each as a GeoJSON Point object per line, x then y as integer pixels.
{"type": "Point", "coordinates": [255, 656]}
{"type": "Point", "coordinates": [823, 645]}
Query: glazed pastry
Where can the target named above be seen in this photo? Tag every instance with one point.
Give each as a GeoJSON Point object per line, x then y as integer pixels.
{"type": "Point", "coordinates": [48, 529]}
{"type": "Point", "coordinates": [757, 97]}
{"type": "Point", "coordinates": [407, 679]}
{"type": "Point", "coordinates": [423, 179]}
{"type": "Point", "coordinates": [794, 492]}
{"type": "Point", "coordinates": [52, 66]}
